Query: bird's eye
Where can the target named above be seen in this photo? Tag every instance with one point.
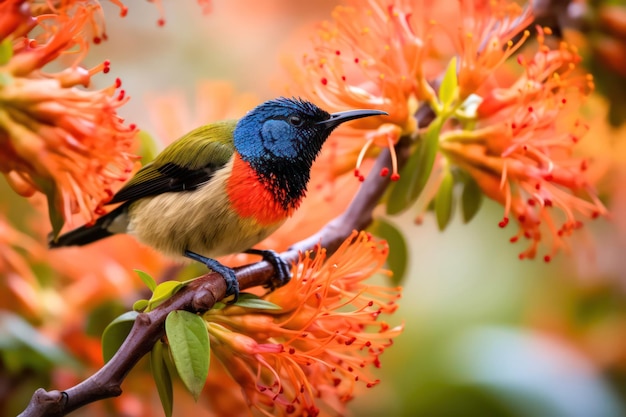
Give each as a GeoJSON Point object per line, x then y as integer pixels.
{"type": "Point", "coordinates": [295, 121]}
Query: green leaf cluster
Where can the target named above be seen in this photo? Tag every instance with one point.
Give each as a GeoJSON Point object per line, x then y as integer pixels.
{"type": "Point", "coordinates": [417, 172]}
{"type": "Point", "coordinates": [185, 350]}
{"type": "Point", "coordinates": [160, 292]}
{"type": "Point", "coordinates": [446, 199]}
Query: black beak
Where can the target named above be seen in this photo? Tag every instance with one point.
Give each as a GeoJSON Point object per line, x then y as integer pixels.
{"type": "Point", "coordinates": [343, 116]}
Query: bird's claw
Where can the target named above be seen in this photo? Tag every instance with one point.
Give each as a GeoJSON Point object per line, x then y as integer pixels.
{"type": "Point", "coordinates": [232, 284]}
{"type": "Point", "coordinates": [282, 268]}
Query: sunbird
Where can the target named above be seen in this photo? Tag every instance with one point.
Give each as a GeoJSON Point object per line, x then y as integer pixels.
{"type": "Point", "coordinates": [223, 187]}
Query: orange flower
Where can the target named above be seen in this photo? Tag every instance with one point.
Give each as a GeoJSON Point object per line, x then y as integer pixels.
{"type": "Point", "coordinates": [372, 56]}
{"type": "Point", "coordinates": [521, 153]}
{"type": "Point", "coordinates": [484, 39]}
{"type": "Point", "coordinates": [55, 138]}
{"type": "Point", "coordinates": [380, 54]}
{"type": "Point", "coordinates": [510, 137]}
{"type": "Point", "coordinates": [316, 348]}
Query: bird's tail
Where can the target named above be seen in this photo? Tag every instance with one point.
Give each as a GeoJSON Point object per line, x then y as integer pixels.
{"type": "Point", "coordinates": [105, 226]}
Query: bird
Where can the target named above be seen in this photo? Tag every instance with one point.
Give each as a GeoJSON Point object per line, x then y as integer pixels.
{"type": "Point", "coordinates": [223, 187]}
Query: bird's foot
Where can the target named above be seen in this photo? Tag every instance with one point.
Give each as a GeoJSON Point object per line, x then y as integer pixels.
{"type": "Point", "coordinates": [282, 268]}
{"type": "Point", "coordinates": [232, 285]}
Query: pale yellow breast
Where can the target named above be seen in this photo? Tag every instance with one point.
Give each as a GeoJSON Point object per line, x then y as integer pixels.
{"type": "Point", "coordinates": [201, 221]}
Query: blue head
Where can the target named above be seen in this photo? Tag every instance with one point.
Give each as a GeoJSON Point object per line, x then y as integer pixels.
{"type": "Point", "coordinates": [281, 138]}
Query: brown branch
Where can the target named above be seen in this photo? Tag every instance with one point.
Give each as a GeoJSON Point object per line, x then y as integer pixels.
{"type": "Point", "coordinates": [199, 295]}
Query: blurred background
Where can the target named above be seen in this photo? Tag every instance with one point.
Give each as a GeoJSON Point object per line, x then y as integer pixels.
{"type": "Point", "coordinates": [485, 334]}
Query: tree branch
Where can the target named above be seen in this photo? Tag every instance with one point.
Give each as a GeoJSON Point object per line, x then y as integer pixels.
{"type": "Point", "coordinates": [202, 293]}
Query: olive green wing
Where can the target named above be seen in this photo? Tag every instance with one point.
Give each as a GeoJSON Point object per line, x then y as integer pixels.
{"type": "Point", "coordinates": [184, 165]}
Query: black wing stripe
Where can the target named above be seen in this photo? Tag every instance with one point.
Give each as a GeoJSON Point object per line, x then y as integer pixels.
{"type": "Point", "coordinates": [145, 189]}
{"type": "Point", "coordinates": [174, 178]}
{"type": "Point", "coordinates": [183, 179]}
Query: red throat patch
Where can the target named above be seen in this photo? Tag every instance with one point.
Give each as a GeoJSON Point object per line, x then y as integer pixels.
{"type": "Point", "coordinates": [250, 198]}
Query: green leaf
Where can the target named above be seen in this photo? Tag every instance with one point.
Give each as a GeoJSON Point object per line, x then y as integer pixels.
{"type": "Point", "coordinates": [116, 332]}
{"type": "Point", "coordinates": [163, 291]}
{"type": "Point", "coordinates": [189, 343]}
{"type": "Point", "coordinates": [398, 252]}
{"type": "Point", "coordinates": [162, 376]}
{"type": "Point", "coordinates": [6, 51]}
{"type": "Point", "coordinates": [449, 85]}
{"type": "Point", "coordinates": [444, 201]}
{"type": "Point", "coordinates": [140, 305]}
{"type": "Point", "coordinates": [147, 279]}
{"type": "Point", "coordinates": [471, 199]}
{"type": "Point", "coordinates": [416, 172]}
{"type": "Point", "coordinates": [248, 300]}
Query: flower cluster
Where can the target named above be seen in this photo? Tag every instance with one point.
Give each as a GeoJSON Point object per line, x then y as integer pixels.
{"type": "Point", "coordinates": [66, 142]}
{"type": "Point", "coordinates": [521, 150]}
{"type": "Point", "coordinates": [315, 349]}
{"type": "Point", "coordinates": [510, 131]}
{"type": "Point", "coordinates": [370, 57]}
